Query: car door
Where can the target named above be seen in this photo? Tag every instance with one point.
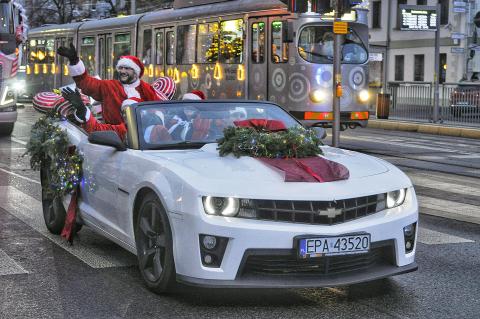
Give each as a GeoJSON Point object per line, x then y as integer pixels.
{"type": "Point", "coordinates": [102, 166]}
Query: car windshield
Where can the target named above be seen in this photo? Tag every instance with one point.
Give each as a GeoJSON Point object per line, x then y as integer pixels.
{"type": "Point", "coordinates": [197, 123]}
{"type": "Point", "coordinates": [315, 45]}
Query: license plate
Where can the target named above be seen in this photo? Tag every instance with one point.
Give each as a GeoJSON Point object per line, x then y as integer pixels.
{"type": "Point", "coordinates": [328, 246]}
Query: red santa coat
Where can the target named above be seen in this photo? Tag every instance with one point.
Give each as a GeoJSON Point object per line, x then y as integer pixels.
{"type": "Point", "coordinates": [111, 93]}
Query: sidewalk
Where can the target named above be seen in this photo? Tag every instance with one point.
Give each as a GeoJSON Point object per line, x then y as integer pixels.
{"type": "Point", "coordinates": [428, 128]}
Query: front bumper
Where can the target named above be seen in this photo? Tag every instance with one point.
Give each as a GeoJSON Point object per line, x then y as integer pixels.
{"type": "Point", "coordinates": [269, 238]}
{"type": "Point", "coordinates": [8, 117]}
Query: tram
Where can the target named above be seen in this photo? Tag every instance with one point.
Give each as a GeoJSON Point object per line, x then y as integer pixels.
{"type": "Point", "coordinates": [240, 49]}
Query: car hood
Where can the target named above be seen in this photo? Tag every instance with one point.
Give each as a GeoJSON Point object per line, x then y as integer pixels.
{"type": "Point", "coordinates": [207, 163]}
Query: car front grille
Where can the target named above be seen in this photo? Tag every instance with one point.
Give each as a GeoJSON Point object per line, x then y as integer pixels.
{"type": "Point", "coordinates": [289, 264]}
{"type": "Point", "coordinates": [312, 212]}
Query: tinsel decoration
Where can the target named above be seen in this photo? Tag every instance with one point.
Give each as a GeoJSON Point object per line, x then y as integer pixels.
{"type": "Point", "coordinates": [296, 142]}
{"type": "Point", "coordinates": [50, 144]}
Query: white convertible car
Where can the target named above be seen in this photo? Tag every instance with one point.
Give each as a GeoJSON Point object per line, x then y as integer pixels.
{"type": "Point", "coordinates": [194, 217]}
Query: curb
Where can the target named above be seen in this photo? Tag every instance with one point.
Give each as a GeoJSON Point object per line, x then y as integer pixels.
{"type": "Point", "coordinates": [425, 128]}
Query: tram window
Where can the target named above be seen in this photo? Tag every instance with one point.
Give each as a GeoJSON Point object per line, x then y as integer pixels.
{"type": "Point", "coordinates": [279, 48]}
{"type": "Point", "coordinates": [147, 46]}
{"type": "Point", "coordinates": [121, 46]}
{"type": "Point", "coordinates": [258, 42]}
{"type": "Point", "coordinates": [32, 51]}
{"type": "Point", "coordinates": [6, 19]}
{"type": "Point", "coordinates": [159, 48]}
{"type": "Point", "coordinates": [87, 53]}
{"type": "Point", "coordinates": [170, 47]}
{"type": "Point", "coordinates": [49, 51]}
{"type": "Point", "coordinates": [186, 43]}
{"type": "Point", "coordinates": [316, 45]}
{"type": "Point", "coordinates": [40, 52]}
{"type": "Point", "coordinates": [207, 43]}
{"type": "Point", "coordinates": [231, 41]}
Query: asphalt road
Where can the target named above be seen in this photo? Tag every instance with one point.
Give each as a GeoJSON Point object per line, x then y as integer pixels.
{"type": "Point", "coordinates": [43, 277]}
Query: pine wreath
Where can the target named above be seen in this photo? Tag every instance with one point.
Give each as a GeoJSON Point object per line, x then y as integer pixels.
{"type": "Point", "coordinates": [296, 142]}
{"type": "Point", "coordinates": [50, 144]}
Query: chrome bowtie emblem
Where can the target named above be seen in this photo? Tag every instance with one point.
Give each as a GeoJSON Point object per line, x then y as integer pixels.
{"type": "Point", "coordinates": [330, 212]}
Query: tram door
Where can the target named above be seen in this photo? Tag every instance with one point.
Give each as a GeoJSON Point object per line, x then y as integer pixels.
{"type": "Point", "coordinates": [258, 59]}
{"type": "Point", "coordinates": [164, 51]}
{"type": "Point", "coordinates": [61, 78]}
{"type": "Point", "coordinates": [105, 56]}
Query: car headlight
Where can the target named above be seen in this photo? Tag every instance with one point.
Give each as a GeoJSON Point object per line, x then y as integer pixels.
{"type": "Point", "coordinates": [396, 198]}
{"type": "Point", "coordinates": [19, 85]}
{"type": "Point", "coordinates": [221, 206]}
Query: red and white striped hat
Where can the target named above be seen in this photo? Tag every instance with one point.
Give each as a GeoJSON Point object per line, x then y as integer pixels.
{"type": "Point", "coordinates": [165, 88]}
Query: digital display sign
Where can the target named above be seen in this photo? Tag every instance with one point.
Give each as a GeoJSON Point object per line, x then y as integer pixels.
{"type": "Point", "coordinates": [418, 18]}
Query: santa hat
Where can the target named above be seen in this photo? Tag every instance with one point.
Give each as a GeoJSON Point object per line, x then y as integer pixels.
{"type": "Point", "coordinates": [165, 88]}
{"type": "Point", "coordinates": [194, 95]}
{"type": "Point", "coordinates": [130, 101]}
{"type": "Point", "coordinates": [132, 62]}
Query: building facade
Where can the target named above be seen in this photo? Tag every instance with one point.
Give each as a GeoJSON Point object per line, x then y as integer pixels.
{"type": "Point", "coordinates": [409, 55]}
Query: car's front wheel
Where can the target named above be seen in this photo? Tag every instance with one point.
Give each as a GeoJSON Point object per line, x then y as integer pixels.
{"type": "Point", "coordinates": [6, 129]}
{"type": "Point", "coordinates": [153, 238]}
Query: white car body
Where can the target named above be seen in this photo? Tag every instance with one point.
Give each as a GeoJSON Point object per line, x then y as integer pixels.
{"type": "Point", "coordinates": [180, 178]}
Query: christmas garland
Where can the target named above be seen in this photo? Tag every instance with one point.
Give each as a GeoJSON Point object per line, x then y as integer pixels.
{"type": "Point", "coordinates": [50, 144]}
{"type": "Point", "coordinates": [296, 142]}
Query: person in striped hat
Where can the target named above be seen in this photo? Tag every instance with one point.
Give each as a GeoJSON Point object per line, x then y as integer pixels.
{"type": "Point", "coordinates": [112, 93]}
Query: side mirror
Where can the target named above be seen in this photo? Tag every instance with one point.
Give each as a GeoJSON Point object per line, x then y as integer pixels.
{"type": "Point", "coordinates": [107, 138]}
{"type": "Point", "coordinates": [321, 132]}
{"type": "Point", "coordinates": [287, 32]}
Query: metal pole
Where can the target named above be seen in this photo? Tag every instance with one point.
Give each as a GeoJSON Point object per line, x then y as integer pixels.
{"type": "Point", "coordinates": [436, 94]}
{"type": "Point", "coordinates": [133, 7]}
{"type": "Point", "coordinates": [337, 80]}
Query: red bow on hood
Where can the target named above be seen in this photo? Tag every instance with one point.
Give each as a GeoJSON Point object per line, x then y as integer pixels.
{"type": "Point", "coordinates": [262, 124]}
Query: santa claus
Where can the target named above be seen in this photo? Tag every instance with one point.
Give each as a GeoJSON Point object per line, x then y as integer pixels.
{"type": "Point", "coordinates": [112, 93]}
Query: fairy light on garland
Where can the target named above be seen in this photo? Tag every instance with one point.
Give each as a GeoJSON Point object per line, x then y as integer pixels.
{"type": "Point", "coordinates": [50, 144]}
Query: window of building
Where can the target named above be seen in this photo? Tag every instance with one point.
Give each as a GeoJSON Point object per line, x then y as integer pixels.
{"type": "Point", "coordinates": [421, 2]}
{"type": "Point", "coordinates": [147, 47]}
{"type": "Point", "coordinates": [443, 68]}
{"type": "Point", "coordinates": [399, 13]}
{"type": "Point", "coordinates": [186, 43]}
{"type": "Point", "coordinates": [279, 48]}
{"type": "Point", "coordinates": [121, 46]}
{"type": "Point", "coordinates": [170, 46]}
{"type": "Point", "coordinates": [444, 13]}
{"type": "Point", "coordinates": [399, 67]}
{"type": "Point", "coordinates": [231, 41]}
{"type": "Point", "coordinates": [258, 42]}
{"type": "Point", "coordinates": [418, 67]}
{"type": "Point", "coordinates": [159, 47]}
{"type": "Point", "coordinates": [87, 53]}
{"type": "Point", "coordinates": [207, 43]}
{"type": "Point", "coordinates": [376, 14]}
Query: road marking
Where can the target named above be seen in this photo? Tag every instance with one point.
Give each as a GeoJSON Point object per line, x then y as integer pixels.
{"type": "Point", "coordinates": [92, 249]}
{"type": "Point", "coordinates": [470, 156]}
{"type": "Point", "coordinates": [19, 176]}
{"type": "Point", "coordinates": [8, 266]}
{"type": "Point", "coordinates": [16, 140]}
{"type": "Point", "coordinates": [432, 237]}
{"type": "Point", "coordinates": [449, 206]}
{"type": "Point", "coordinates": [453, 187]}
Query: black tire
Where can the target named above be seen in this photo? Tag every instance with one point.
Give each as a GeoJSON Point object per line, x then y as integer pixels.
{"type": "Point", "coordinates": [6, 129]}
{"type": "Point", "coordinates": [153, 238]}
{"type": "Point", "coordinates": [53, 211]}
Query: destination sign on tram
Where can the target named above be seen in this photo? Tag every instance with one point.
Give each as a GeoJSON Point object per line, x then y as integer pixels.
{"type": "Point", "coordinates": [418, 18]}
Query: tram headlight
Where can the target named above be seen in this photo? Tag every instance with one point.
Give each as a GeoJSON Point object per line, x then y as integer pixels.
{"type": "Point", "coordinates": [364, 96]}
{"type": "Point", "coordinates": [19, 85]}
{"type": "Point", "coordinates": [318, 96]}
